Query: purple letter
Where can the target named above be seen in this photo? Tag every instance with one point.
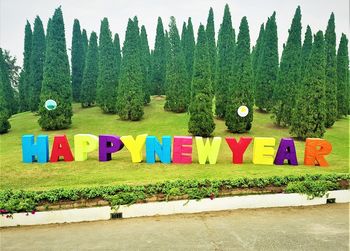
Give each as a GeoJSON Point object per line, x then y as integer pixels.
{"type": "Point", "coordinates": [286, 151]}
{"type": "Point", "coordinates": [109, 144]}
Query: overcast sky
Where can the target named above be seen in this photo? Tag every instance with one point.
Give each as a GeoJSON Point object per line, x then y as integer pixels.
{"type": "Point", "coordinates": [14, 13]}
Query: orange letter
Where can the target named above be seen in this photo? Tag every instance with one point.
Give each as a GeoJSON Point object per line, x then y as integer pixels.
{"type": "Point", "coordinates": [315, 150]}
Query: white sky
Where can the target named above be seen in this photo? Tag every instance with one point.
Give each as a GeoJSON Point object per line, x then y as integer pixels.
{"type": "Point", "coordinates": [14, 13]}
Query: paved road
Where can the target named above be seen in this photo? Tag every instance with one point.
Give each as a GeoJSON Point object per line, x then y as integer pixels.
{"type": "Point", "coordinates": [306, 228]}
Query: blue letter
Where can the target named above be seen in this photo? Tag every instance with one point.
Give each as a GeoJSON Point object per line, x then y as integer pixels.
{"type": "Point", "coordinates": [39, 150]}
{"type": "Point", "coordinates": [163, 151]}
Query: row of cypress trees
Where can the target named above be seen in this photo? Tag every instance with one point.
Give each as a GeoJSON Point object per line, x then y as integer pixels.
{"type": "Point", "coordinates": [189, 73]}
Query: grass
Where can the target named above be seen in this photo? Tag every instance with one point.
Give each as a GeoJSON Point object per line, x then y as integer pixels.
{"type": "Point", "coordinates": [17, 175]}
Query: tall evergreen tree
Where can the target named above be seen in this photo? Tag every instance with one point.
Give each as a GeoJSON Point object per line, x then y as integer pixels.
{"type": "Point", "coordinates": [159, 60]}
{"type": "Point", "coordinates": [331, 73]}
{"type": "Point", "coordinates": [88, 86]}
{"type": "Point", "coordinates": [289, 74]}
{"type": "Point", "coordinates": [77, 60]}
{"type": "Point", "coordinates": [224, 76]}
{"type": "Point", "coordinates": [210, 32]}
{"type": "Point", "coordinates": [308, 120]}
{"type": "Point", "coordinates": [10, 73]}
{"type": "Point", "coordinates": [183, 36]}
{"type": "Point", "coordinates": [130, 91]}
{"type": "Point", "coordinates": [56, 78]}
{"type": "Point", "coordinates": [145, 64]}
{"type": "Point", "coordinates": [241, 88]}
{"type": "Point", "coordinates": [188, 48]}
{"type": "Point", "coordinates": [25, 77]}
{"type": "Point", "coordinates": [107, 71]}
{"type": "Point", "coordinates": [201, 122]}
{"type": "Point", "coordinates": [5, 86]}
{"type": "Point", "coordinates": [85, 42]}
{"type": "Point", "coordinates": [37, 58]}
{"type": "Point", "coordinates": [118, 58]}
{"type": "Point", "coordinates": [306, 51]}
{"type": "Point", "coordinates": [177, 92]}
{"type": "Point", "coordinates": [268, 67]}
{"type": "Point", "coordinates": [257, 51]}
{"type": "Point", "coordinates": [343, 77]}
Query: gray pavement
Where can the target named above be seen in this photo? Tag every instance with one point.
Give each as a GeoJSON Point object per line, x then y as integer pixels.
{"type": "Point", "coordinates": [323, 227]}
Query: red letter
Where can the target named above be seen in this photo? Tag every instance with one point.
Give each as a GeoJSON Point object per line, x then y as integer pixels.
{"type": "Point", "coordinates": [60, 148]}
{"type": "Point", "coordinates": [238, 148]}
{"type": "Point", "coordinates": [182, 150]}
{"type": "Point", "coordinates": [315, 150]}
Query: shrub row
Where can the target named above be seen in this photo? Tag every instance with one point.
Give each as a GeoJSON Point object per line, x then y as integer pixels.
{"type": "Point", "coordinates": [12, 201]}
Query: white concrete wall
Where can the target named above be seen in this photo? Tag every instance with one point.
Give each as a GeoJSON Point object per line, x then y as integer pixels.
{"type": "Point", "coordinates": [172, 207]}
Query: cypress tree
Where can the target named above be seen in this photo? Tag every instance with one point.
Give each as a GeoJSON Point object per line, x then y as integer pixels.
{"type": "Point", "coordinates": [6, 88]}
{"type": "Point", "coordinates": [268, 66]}
{"type": "Point", "coordinates": [177, 92]}
{"type": "Point", "coordinates": [306, 51]}
{"type": "Point", "coordinates": [201, 121]}
{"type": "Point", "coordinates": [145, 64]}
{"type": "Point", "coordinates": [256, 53]}
{"type": "Point", "coordinates": [77, 60]}
{"type": "Point", "coordinates": [56, 78]}
{"type": "Point", "coordinates": [289, 74]}
{"type": "Point", "coordinates": [130, 90]}
{"type": "Point", "coordinates": [183, 36]}
{"type": "Point", "coordinates": [116, 43]}
{"type": "Point", "coordinates": [88, 86]}
{"type": "Point", "coordinates": [25, 76]}
{"type": "Point", "coordinates": [159, 62]}
{"type": "Point", "coordinates": [224, 77]}
{"type": "Point", "coordinates": [331, 73]}
{"type": "Point", "coordinates": [5, 85]}
{"type": "Point", "coordinates": [85, 42]}
{"type": "Point", "coordinates": [188, 48]}
{"type": "Point", "coordinates": [210, 32]}
{"type": "Point", "coordinates": [308, 120]}
{"type": "Point", "coordinates": [241, 89]}
{"type": "Point", "coordinates": [343, 77]}
{"type": "Point", "coordinates": [38, 58]}
{"type": "Point", "coordinates": [107, 72]}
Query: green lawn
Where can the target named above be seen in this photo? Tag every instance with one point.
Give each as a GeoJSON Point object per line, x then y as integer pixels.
{"type": "Point", "coordinates": [15, 174]}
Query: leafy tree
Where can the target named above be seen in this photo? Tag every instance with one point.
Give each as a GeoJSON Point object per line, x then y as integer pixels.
{"type": "Point", "coordinates": [77, 60]}
{"type": "Point", "coordinates": [224, 77]}
{"type": "Point", "coordinates": [8, 88]}
{"type": "Point", "coordinates": [257, 51]}
{"type": "Point", "coordinates": [5, 86]}
{"type": "Point", "coordinates": [177, 92]}
{"type": "Point", "coordinates": [201, 121]}
{"type": "Point", "coordinates": [241, 88]}
{"type": "Point", "coordinates": [25, 79]}
{"type": "Point", "coordinates": [343, 77]}
{"type": "Point", "coordinates": [306, 51]}
{"type": "Point", "coordinates": [210, 32]}
{"type": "Point", "coordinates": [308, 120]}
{"type": "Point", "coordinates": [37, 58]}
{"type": "Point", "coordinates": [145, 64]}
{"type": "Point", "coordinates": [88, 86]}
{"type": "Point", "coordinates": [107, 73]}
{"type": "Point", "coordinates": [331, 73]}
{"type": "Point", "coordinates": [116, 43]}
{"type": "Point", "coordinates": [56, 78]}
{"type": "Point", "coordinates": [159, 61]}
{"type": "Point", "coordinates": [268, 66]}
{"type": "Point", "coordinates": [130, 91]}
{"type": "Point", "coordinates": [285, 90]}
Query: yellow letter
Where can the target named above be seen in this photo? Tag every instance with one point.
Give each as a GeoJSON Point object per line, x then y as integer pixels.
{"type": "Point", "coordinates": [263, 151]}
{"type": "Point", "coordinates": [135, 146]}
{"type": "Point", "coordinates": [83, 144]}
{"type": "Point", "coordinates": [207, 150]}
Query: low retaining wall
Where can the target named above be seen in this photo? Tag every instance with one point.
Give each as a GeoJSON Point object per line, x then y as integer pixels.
{"type": "Point", "coordinates": [171, 207]}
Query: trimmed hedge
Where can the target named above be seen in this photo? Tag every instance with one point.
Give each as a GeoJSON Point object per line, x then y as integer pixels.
{"type": "Point", "coordinates": [12, 201]}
